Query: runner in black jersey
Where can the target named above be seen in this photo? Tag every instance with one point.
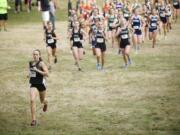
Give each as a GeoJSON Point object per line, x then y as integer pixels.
{"type": "Point", "coordinates": [147, 12]}
{"type": "Point", "coordinates": [176, 5]}
{"type": "Point", "coordinates": [123, 34]}
{"type": "Point", "coordinates": [92, 35]}
{"type": "Point", "coordinates": [93, 20]}
{"type": "Point", "coordinates": [100, 46]}
{"type": "Point", "coordinates": [72, 18]}
{"type": "Point", "coordinates": [37, 72]}
{"type": "Point", "coordinates": [137, 24]}
{"type": "Point", "coordinates": [51, 38]}
{"type": "Point", "coordinates": [111, 28]}
{"type": "Point", "coordinates": [126, 10]}
{"type": "Point", "coordinates": [169, 16]}
{"type": "Point", "coordinates": [163, 17]}
{"type": "Point", "coordinates": [76, 39]}
{"type": "Point", "coordinates": [153, 26]}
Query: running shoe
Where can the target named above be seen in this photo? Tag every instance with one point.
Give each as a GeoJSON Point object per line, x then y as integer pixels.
{"type": "Point", "coordinates": [75, 63]}
{"type": "Point", "coordinates": [125, 66]}
{"type": "Point", "coordinates": [138, 47]}
{"type": "Point", "coordinates": [33, 123]}
{"type": "Point", "coordinates": [45, 107]}
{"type": "Point", "coordinates": [79, 69]}
{"type": "Point", "coordinates": [119, 52]}
{"type": "Point", "coordinates": [49, 68]}
{"type": "Point", "coordinates": [98, 66]}
{"type": "Point", "coordinates": [129, 62]}
{"type": "Point", "coordinates": [55, 60]}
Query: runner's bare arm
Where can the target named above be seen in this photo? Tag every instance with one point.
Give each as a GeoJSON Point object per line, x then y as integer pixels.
{"type": "Point", "coordinates": [45, 69]}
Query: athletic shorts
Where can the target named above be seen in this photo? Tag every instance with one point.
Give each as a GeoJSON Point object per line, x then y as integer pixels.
{"type": "Point", "coordinates": [53, 46]}
{"type": "Point", "coordinates": [152, 29]}
{"type": "Point", "coordinates": [4, 17]}
{"type": "Point", "coordinates": [176, 6]}
{"type": "Point", "coordinates": [93, 44]}
{"type": "Point", "coordinates": [77, 44]}
{"type": "Point", "coordinates": [138, 32]}
{"type": "Point", "coordinates": [27, 1]}
{"type": "Point", "coordinates": [111, 29]}
{"type": "Point", "coordinates": [101, 46]}
{"type": "Point", "coordinates": [45, 16]}
{"type": "Point", "coordinates": [163, 19]}
{"type": "Point", "coordinates": [124, 43]}
{"type": "Point", "coordinates": [39, 87]}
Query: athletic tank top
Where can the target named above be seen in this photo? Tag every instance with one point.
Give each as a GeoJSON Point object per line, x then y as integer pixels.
{"type": "Point", "coordinates": [76, 36]}
{"type": "Point", "coordinates": [126, 12]}
{"type": "Point", "coordinates": [175, 2]}
{"type": "Point", "coordinates": [99, 37]}
{"type": "Point", "coordinates": [35, 77]}
{"type": "Point", "coordinates": [111, 20]}
{"type": "Point", "coordinates": [96, 18]}
{"type": "Point", "coordinates": [153, 22]}
{"type": "Point", "coordinates": [136, 22]}
{"type": "Point", "coordinates": [162, 10]}
{"type": "Point", "coordinates": [124, 34]}
{"type": "Point", "coordinates": [49, 37]}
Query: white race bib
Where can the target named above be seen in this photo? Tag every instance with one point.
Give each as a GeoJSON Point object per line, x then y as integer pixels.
{"type": "Point", "coordinates": [124, 36]}
{"type": "Point", "coordinates": [100, 40]}
{"type": "Point", "coordinates": [126, 15]}
{"type": "Point", "coordinates": [32, 74]}
{"type": "Point", "coordinates": [153, 24]}
{"type": "Point", "coordinates": [162, 15]}
{"type": "Point", "coordinates": [136, 27]}
{"type": "Point", "coordinates": [50, 41]}
{"type": "Point", "coordinates": [110, 24]}
{"type": "Point", "coordinates": [175, 3]}
{"type": "Point", "coordinates": [76, 39]}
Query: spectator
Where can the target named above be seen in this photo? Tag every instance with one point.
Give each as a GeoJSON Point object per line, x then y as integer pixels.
{"type": "Point", "coordinates": [44, 7]}
{"type": "Point", "coordinates": [18, 6]}
{"type": "Point", "coordinates": [3, 14]}
{"type": "Point", "coordinates": [52, 10]}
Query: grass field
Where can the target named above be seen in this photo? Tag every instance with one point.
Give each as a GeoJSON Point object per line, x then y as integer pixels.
{"type": "Point", "coordinates": [143, 100]}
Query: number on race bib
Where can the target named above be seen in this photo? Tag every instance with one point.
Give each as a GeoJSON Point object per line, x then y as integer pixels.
{"type": "Point", "coordinates": [136, 27]}
{"type": "Point", "coordinates": [175, 3]}
{"type": "Point", "coordinates": [124, 36]}
{"type": "Point", "coordinates": [126, 15]}
{"type": "Point", "coordinates": [32, 74]}
{"type": "Point", "coordinates": [153, 24]}
{"type": "Point", "coordinates": [76, 39]}
{"type": "Point", "coordinates": [100, 40]}
{"type": "Point", "coordinates": [162, 15]}
{"type": "Point", "coordinates": [111, 24]}
{"type": "Point", "coordinates": [50, 41]}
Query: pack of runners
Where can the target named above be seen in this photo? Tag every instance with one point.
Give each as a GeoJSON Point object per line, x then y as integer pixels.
{"type": "Point", "coordinates": [118, 24]}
